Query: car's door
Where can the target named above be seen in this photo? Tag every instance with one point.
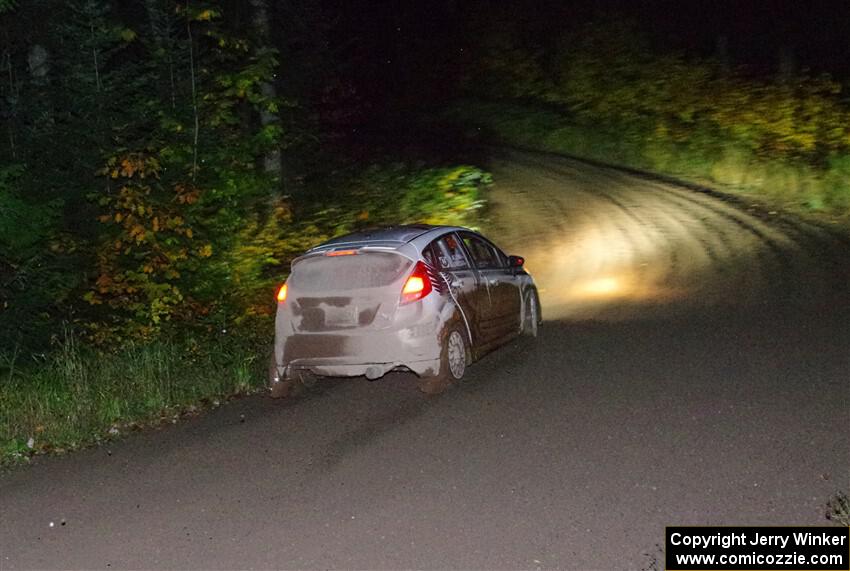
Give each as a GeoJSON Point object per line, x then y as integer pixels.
{"type": "Point", "coordinates": [447, 256]}
{"type": "Point", "coordinates": [501, 284]}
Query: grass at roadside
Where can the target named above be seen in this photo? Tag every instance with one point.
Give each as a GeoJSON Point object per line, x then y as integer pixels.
{"type": "Point", "coordinates": [704, 158]}
{"type": "Point", "coordinates": [77, 396]}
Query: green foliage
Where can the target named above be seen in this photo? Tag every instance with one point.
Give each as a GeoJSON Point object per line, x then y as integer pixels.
{"type": "Point", "coordinates": [188, 213]}
{"type": "Point", "coordinates": [137, 164]}
{"type": "Point", "coordinates": [145, 252]}
{"type": "Point", "coordinates": [62, 108]}
{"type": "Point", "coordinates": [23, 225]}
{"type": "Point", "coordinates": [141, 174]}
{"type": "Point", "coordinates": [445, 196]}
{"type": "Point", "coordinates": [399, 193]}
{"type": "Point", "coordinates": [34, 276]}
{"type": "Point", "coordinates": [836, 182]}
{"type": "Point", "coordinates": [607, 73]}
{"type": "Point", "coordinates": [137, 205]}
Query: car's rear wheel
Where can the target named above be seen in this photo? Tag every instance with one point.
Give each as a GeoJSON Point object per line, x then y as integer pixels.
{"type": "Point", "coordinates": [531, 314]}
{"type": "Point", "coordinates": [282, 387]}
{"type": "Point", "coordinates": [453, 359]}
{"type": "Point", "coordinates": [285, 389]}
{"type": "Point", "coordinates": [455, 355]}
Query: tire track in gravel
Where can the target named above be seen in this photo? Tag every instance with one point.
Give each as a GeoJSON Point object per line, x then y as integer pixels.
{"type": "Point", "coordinates": [606, 244]}
{"type": "Point", "coordinates": [706, 224]}
{"type": "Point", "coordinates": [793, 242]}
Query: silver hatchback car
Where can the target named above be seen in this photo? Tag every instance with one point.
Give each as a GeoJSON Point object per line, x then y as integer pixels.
{"type": "Point", "coordinates": [429, 299]}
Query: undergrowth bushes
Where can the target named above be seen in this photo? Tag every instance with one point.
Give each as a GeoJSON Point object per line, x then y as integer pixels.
{"type": "Point", "coordinates": [401, 194]}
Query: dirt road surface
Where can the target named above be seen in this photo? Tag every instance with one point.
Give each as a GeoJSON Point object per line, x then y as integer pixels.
{"type": "Point", "coordinates": [694, 368]}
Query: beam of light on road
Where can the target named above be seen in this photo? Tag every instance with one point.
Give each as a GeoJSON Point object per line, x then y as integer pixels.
{"type": "Point", "coordinates": [606, 245]}
{"type": "Point", "coordinates": [599, 287]}
{"type": "Point", "coordinates": [598, 267]}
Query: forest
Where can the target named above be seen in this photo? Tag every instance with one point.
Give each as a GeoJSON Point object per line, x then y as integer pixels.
{"type": "Point", "coordinates": [161, 162]}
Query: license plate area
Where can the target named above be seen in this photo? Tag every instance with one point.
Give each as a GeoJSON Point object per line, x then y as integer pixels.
{"type": "Point", "coordinates": [341, 316]}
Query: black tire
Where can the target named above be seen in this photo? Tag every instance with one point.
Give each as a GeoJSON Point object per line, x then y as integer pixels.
{"type": "Point", "coordinates": [281, 388]}
{"type": "Point", "coordinates": [531, 314]}
{"type": "Point", "coordinates": [454, 358]}
{"type": "Point", "coordinates": [307, 378]}
{"type": "Point", "coordinates": [287, 388]}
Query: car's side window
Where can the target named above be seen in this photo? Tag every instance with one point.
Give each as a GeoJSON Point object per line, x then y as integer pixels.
{"type": "Point", "coordinates": [430, 256]}
{"type": "Point", "coordinates": [449, 253]}
{"type": "Point", "coordinates": [483, 254]}
{"type": "Point", "coordinates": [503, 259]}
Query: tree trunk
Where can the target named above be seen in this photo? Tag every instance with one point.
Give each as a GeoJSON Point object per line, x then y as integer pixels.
{"type": "Point", "coordinates": [162, 30]}
{"type": "Point", "coordinates": [12, 97]}
{"type": "Point", "coordinates": [262, 27]}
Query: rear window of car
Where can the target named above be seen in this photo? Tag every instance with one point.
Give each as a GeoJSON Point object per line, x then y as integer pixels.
{"type": "Point", "coordinates": [319, 274]}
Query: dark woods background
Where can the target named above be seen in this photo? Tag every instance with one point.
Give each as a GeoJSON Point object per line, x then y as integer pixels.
{"type": "Point", "coordinates": [161, 161]}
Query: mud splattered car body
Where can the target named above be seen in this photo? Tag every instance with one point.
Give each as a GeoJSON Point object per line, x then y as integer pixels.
{"type": "Point", "coordinates": [405, 297]}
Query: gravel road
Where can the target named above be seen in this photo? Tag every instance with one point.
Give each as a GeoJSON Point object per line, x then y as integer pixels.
{"type": "Point", "coordinates": [693, 369]}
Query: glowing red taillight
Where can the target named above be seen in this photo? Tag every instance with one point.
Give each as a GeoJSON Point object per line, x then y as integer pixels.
{"type": "Point", "coordinates": [414, 284]}
{"type": "Point", "coordinates": [417, 286]}
{"type": "Point", "coordinates": [281, 294]}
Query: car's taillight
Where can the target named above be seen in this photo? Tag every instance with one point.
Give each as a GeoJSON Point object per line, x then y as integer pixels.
{"type": "Point", "coordinates": [417, 286]}
{"type": "Point", "coordinates": [281, 294]}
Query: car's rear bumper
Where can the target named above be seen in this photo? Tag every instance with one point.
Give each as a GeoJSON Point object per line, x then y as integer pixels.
{"type": "Point", "coordinates": [352, 354]}
{"type": "Point", "coordinates": [370, 370]}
